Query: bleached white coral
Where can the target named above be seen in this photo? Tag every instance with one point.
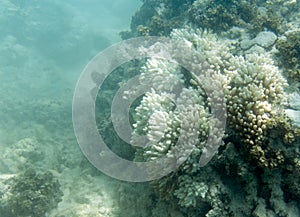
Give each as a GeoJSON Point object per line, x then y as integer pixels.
{"type": "Point", "coordinates": [188, 123]}
{"type": "Point", "coordinates": [151, 103]}
{"type": "Point", "coordinates": [158, 124]}
{"type": "Point", "coordinates": [166, 127]}
{"type": "Point", "coordinates": [161, 74]}
{"type": "Point", "coordinates": [250, 88]}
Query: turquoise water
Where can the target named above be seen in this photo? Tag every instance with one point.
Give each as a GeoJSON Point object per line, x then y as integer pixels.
{"type": "Point", "coordinates": [44, 47]}
{"type": "Point", "coordinates": [219, 103]}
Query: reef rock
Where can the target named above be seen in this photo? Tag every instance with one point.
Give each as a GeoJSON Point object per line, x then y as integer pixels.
{"type": "Point", "coordinates": [264, 39]}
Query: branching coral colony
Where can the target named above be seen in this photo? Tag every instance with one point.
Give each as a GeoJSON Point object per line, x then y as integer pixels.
{"type": "Point", "coordinates": [260, 147]}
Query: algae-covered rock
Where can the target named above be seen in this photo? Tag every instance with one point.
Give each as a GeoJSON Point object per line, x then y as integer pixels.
{"type": "Point", "coordinates": [31, 194]}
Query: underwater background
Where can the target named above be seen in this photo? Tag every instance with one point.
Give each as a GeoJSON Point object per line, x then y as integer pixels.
{"type": "Point", "coordinates": [251, 47]}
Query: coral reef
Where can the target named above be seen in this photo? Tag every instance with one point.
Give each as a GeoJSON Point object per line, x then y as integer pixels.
{"type": "Point", "coordinates": [254, 95]}
{"type": "Point", "coordinates": [221, 16]}
{"type": "Point", "coordinates": [289, 54]}
{"type": "Point", "coordinates": [31, 194]}
{"type": "Point", "coordinates": [159, 17]}
{"type": "Point", "coordinates": [259, 136]}
{"type": "Point", "coordinates": [255, 172]}
{"type": "Point", "coordinates": [21, 155]}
